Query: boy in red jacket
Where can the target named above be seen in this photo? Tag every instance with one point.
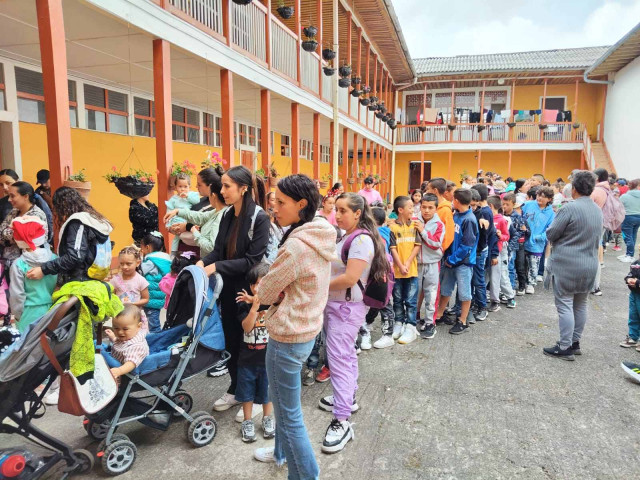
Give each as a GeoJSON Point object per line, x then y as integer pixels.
{"type": "Point", "coordinates": [500, 288]}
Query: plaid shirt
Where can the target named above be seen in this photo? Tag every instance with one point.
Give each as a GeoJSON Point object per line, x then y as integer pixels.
{"type": "Point", "coordinates": [134, 350]}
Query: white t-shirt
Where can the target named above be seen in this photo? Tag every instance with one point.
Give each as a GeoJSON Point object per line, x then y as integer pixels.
{"type": "Point", "coordinates": [361, 249]}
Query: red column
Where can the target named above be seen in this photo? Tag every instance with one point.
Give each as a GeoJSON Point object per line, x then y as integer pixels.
{"type": "Point", "coordinates": [226, 20]}
{"type": "Point", "coordinates": [349, 40]}
{"type": "Point", "coordinates": [331, 155]}
{"type": "Point", "coordinates": [226, 94]}
{"type": "Point", "coordinates": [365, 81]}
{"type": "Point", "coordinates": [359, 64]}
{"type": "Point", "coordinates": [354, 162]}
{"type": "Point", "coordinates": [295, 138]}
{"type": "Point", "coordinates": [320, 42]}
{"type": "Point", "coordinates": [298, 31]}
{"type": "Point", "coordinates": [164, 145]}
{"type": "Point", "coordinates": [316, 146]}
{"type": "Point", "coordinates": [53, 52]}
{"type": "Point", "coordinates": [267, 33]}
{"type": "Point", "coordinates": [265, 128]}
{"type": "Point", "coordinates": [345, 158]}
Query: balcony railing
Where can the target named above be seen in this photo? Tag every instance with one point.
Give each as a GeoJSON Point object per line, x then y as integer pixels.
{"type": "Point", "coordinates": [491, 133]}
{"type": "Point", "coordinates": [206, 12]}
{"type": "Point", "coordinates": [284, 50]}
{"type": "Point", "coordinates": [248, 29]}
{"type": "Point", "coordinates": [309, 69]}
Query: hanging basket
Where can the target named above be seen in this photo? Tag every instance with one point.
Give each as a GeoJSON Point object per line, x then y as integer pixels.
{"type": "Point", "coordinates": [83, 188]}
{"type": "Point", "coordinates": [542, 126]}
{"type": "Point", "coordinates": [576, 125]}
{"type": "Point", "coordinates": [285, 12]}
{"type": "Point", "coordinates": [323, 184]}
{"type": "Point", "coordinates": [391, 121]}
{"type": "Point", "coordinates": [393, 126]}
{"type": "Point", "coordinates": [345, 71]}
{"type": "Point", "coordinates": [374, 99]}
{"type": "Point", "coordinates": [451, 126]}
{"type": "Point", "coordinates": [356, 93]}
{"type": "Point", "coordinates": [379, 115]}
{"type": "Point", "coordinates": [366, 89]}
{"type": "Point", "coordinates": [344, 83]}
{"type": "Point", "coordinates": [372, 107]}
{"type": "Point", "coordinates": [511, 124]}
{"type": "Point", "coordinates": [481, 128]}
{"type": "Point", "coordinates": [364, 102]}
{"type": "Point", "coordinates": [328, 71]}
{"type": "Point", "coordinates": [383, 109]}
{"type": "Point", "coordinates": [310, 31]}
{"type": "Point", "coordinates": [355, 81]}
{"type": "Point", "coordinates": [422, 128]}
{"type": "Point", "coordinates": [242, 2]}
{"type": "Point", "coordinates": [309, 45]}
{"type": "Point", "coordinates": [351, 181]}
{"type": "Point", "coordinates": [328, 54]}
{"type": "Point", "coordinates": [273, 182]}
{"type": "Point", "coordinates": [132, 187]}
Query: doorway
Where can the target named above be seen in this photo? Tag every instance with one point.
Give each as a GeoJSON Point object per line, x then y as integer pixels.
{"type": "Point", "coordinates": [246, 159]}
{"type": "Point", "coordinates": [414, 174]}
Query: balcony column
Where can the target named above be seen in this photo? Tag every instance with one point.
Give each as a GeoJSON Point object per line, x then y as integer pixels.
{"type": "Point", "coordinates": [509, 166]}
{"type": "Point", "coordinates": [449, 168]}
{"type": "Point", "coordinates": [365, 155]}
{"type": "Point", "coordinates": [574, 131]}
{"type": "Point", "coordinates": [482, 117]}
{"type": "Point", "coordinates": [544, 161]}
{"type": "Point", "coordinates": [164, 144]}
{"type": "Point", "coordinates": [359, 64]}
{"type": "Point", "coordinates": [226, 20]}
{"type": "Point", "coordinates": [354, 163]}
{"type": "Point", "coordinates": [265, 129]}
{"type": "Point", "coordinates": [267, 34]}
{"type": "Point", "coordinates": [367, 75]}
{"type": "Point", "coordinates": [513, 99]}
{"type": "Point", "coordinates": [53, 52]}
{"type": "Point", "coordinates": [298, 31]}
{"type": "Point", "coordinates": [226, 95]}
{"type": "Point", "coordinates": [452, 117]}
{"type": "Point", "coordinates": [421, 167]}
{"type": "Point", "coordinates": [374, 85]}
{"type": "Point", "coordinates": [544, 104]}
{"type": "Point", "coordinates": [345, 158]}
{"type": "Point", "coordinates": [316, 146]}
{"type": "Point", "coordinates": [424, 113]}
{"type": "Point", "coordinates": [332, 155]}
{"type": "Point", "coordinates": [371, 156]}
{"type": "Point", "coordinates": [479, 159]}
{"type": "Point", "coordinates": [378, 160]}
{"type": "Point", "coordinates": [349, 40]}
{"type": "Point", "coordinates": [295, 138]}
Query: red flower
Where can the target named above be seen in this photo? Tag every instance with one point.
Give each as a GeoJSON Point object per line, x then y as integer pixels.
{"type": "Point", "coordinates": [114, 168]}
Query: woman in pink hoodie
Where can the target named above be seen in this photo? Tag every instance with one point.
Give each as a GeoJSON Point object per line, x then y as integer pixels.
{"type": "Point", "coordinates": [296, 287]}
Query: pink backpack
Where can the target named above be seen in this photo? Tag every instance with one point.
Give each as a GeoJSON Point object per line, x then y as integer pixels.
{"type": "Point", "coordinates": [612, 211]}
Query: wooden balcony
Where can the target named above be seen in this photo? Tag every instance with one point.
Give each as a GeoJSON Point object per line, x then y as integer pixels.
{"type": "Point", "coordinates": [523, 132]}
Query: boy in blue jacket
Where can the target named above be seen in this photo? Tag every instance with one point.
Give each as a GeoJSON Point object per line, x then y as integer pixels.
{"type": "Point", "coordinates": [538, 216]}
{"type": "Point", "coordinates": [459, 260]}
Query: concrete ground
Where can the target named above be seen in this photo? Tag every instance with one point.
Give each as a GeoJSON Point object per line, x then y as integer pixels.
{"type": "Point", "coordinates": [483, 405]}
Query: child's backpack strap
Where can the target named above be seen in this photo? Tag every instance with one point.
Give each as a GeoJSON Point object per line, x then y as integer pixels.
{"type": "Point", "coordinates": [253, 221]}
{"type": "Point", "coordinates": [344, 254]}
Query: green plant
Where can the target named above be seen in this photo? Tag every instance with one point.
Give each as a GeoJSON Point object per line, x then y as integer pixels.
{"type": "Point", "coordinates": [213, 160]}
{"type": "Point", "coordinates": [138, 174]}
{"type": "Point", "coordinates": [463, 174]}
{"type": "Point", "coordinates": [78, 177]}
{"type": "Point", "coordinates": [272, 171]}
{"type": "Point", "coordinates": [361, 174]}
{"type": "Point", "coordinates": [185, 167]}
{"type": "Point", "coordinates": [376, 177]}
{"type": "Point", "coordinates": [260, 173]}
{"type": "Point", "coordinates": [327, 177]}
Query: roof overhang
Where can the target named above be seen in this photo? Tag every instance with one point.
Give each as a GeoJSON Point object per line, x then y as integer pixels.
{"type": "Point", "coordinates": [617, 56]}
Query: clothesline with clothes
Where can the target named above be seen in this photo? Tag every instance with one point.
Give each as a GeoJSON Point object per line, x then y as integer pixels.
{"type": "Point", "coordinates": [432, 116]}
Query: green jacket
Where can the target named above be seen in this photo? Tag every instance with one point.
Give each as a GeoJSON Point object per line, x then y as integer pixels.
{"type": "Point", "coordinates": [209, 222]}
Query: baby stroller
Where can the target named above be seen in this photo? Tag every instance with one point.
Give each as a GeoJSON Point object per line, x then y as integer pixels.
{"type": "Point", "coordinates": [191, 342]}
{"type": "Point", "coordinates": [25, 368]}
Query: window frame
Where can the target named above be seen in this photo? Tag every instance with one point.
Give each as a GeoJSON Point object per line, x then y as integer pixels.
{"type": "Point", "coordinates": [211, 131]}
{"type": "Point", "coordinates": [186, 126]}
{"type": "Point", "coordinates": [108, 111]}
{"type": "Point", "coordinates": [151, 118]}
{"type": "Point", "coordinates": [285, 147]}
{"type": "Point", "coordinates": [40, 98]}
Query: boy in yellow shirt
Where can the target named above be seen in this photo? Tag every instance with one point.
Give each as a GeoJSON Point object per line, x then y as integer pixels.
{"type": "Point", "coordinates": [405, 246]}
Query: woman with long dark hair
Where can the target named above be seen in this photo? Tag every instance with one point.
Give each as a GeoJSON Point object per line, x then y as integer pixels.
{"type": "Point", "coordinates": [205, 223]}
{"type": "Point", "coordinates": [345, 312]}
{"type": "Point", "coordinates": [296, 287]}
{"type": "Point", "coordinates": [22, 200]}
{"type": "Point", "coordinates": [7, 178]}
{"type": "Point", "coordinates": [233, 256]}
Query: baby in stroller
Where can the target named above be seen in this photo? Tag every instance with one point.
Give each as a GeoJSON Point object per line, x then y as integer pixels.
{"type": "Point", "coordinates": [128, 344]}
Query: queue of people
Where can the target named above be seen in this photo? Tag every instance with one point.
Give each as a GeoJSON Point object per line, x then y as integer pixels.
{"type": "Point", "coordinates": [303, 272]}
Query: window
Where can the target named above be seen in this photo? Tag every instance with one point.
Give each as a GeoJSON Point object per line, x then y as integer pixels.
{"type": "Point", "coordinates": [259, 134]}
{"type": "Point", "coordinates": [242, 131]}
{"type": "Point", "coordinates": [553, 103]}
{"type": "Point", "coordinates": [186, 124]}
{"type": "Point", "coordinates": [3, 104]}
{"type": "Point", "coordinates": [211, 129]}
{"type": "Point", "coordinates": [306, 149]}
{"type": "Point", "coordinates": [106, 110]}
{"type": "Point", "coordinates": [247, 135]}
{"type": "Point", "coordinates": [325, 153]}
{"type": "Point", "coordinates": [144, 115]}
{"type": "Point", "coordinates": [235, 135]}
{"type": "Point", "coordinates": [31, 97]}
{"type": "Point", "coordinates": [285, 145]}
{"type": "Point", "coordinates": [272, 136]}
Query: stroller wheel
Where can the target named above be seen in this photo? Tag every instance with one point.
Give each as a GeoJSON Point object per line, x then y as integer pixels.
{"type": "Point", "coordinates": [84, 460]}
{"type": "Point", "coordinates": [202, 430]}
{"type": "Point", "coordinates": [102, 446]}
{"type": "Point", "coordinates": [119, 457]}
{"type": "Point", "coordinates": [184, 401]}
{"type": "Point", "coordinates": [97, 430]}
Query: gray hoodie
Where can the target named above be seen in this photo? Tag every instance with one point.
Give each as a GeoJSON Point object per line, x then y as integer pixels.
{"type": "Point", "coordinates": [631, 202]}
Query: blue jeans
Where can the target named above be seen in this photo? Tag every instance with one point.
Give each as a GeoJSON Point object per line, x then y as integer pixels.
{"type": "Point", "coordinates": [153, 317]}
{"type": "Point", "coordinates": [478, 283]}
{"type": "Point", "coordinates": [405, 300]}
{"type": "Point", "coordinates": [630, 232]}
{"type": "Point", "coordinates": [634, 315]}
{"type": "Point", "coordinates": [284, 364]}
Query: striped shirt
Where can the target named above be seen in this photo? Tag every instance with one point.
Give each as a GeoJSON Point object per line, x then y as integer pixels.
{"type": "Point", "coordinates": [133, 350]}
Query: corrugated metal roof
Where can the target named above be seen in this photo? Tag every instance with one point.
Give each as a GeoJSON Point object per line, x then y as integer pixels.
{"type": "Point", "coordinates": [564, 59]}
{"type": "Point", "coordinates": [619, 55]}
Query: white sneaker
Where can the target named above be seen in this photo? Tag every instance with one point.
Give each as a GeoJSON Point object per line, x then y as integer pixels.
{"type": "Point", "coordinates": [384, 342]}
{"type": "Point", "coordinates": [337, 436]}
{"type": "Point", "coordinates": [225, 402]}
{"type": "Point", "coordinates": [409, 334]}
{"type": "Point", "coordinates": [52, 398]}
{"type": "Point", "coordinates": [539, 278]}
{"type": "Point", "coordinates": [620, 257]}
{"type": "Point", "coordinates": [627, 259]}
{"type": "Point", "coordinates": [255, 411]}
{"type": "Point", "coordinates": [398, 328]}
{"type": "Point", "coordinates": [365, 342]}
{"type": "Point", "coordinates": [529, 290]}
{"type": "Point", "coordinates": [326, 404]}
{"type": "Point", "coordinates": [265, 455]}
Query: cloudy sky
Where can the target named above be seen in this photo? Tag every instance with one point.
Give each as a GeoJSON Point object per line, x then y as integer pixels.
{"type": "Point", "coordinates": [462, 27]}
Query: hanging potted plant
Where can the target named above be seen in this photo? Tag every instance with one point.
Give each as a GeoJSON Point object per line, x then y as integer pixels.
{"type": "Point", "coordinates": [273, 176]}
{"type": "Point", "coordinates": [324, 183]}
{"type": "Point", "coordinates": [328, 54]}
{"type": "Point", "coordinates": [345, 71]}
{"type": "Point", "coordinates": [310, 31]}
{"type": "Point", "coordinates": [351, 181]}
{"type": "Point", "coordinates": [329, 71]}
{"type": "Point", "coordinates": [374, 99]}
{"type": "Point", "coordinates": [344, 82]}
{"type": "Point", "coordinates": [379, 115]}
{"type": "Point", "coordinates": [576, 125]}
{"type": "Point", "coordinates": [366, 89]}
{"type": "Point", "coordinates": [451, 126]}
{"type": "Point", "coordinates": [242, 2]}
{"type": "Point", "coordinates": [213, 160]}
{"type": "Point", "coordinates": [481, 128]}
{"type": "Point", "coordinates": [392, 126]}
{"type": "Point", "coordinates": [78, 181]}
{"type": "Point", "coordinates": [355, 81]}
{"type": "Point", "coordinates": [372, 106]}
{"type": "Point", "coordinates": [364, 101]}
{"type": "Point", "coordinates": [136, 184]}
{"type": "Point", "coordinates": [422, 128]}
{"type": "Point", "coordinates": [309, 45]}
{"type": "Point", "coordinates": [542, 126]}
{"type": "Point", "coordinates": [284, 11]}
{"type": "Point", "coordinates": [510, 124]}
{"type": "Point", "coordinates": [185, 168]}
{"type": "Point", "coordinates": [356, 93]}
{"type": "Point", "coordinates": [260, 173]}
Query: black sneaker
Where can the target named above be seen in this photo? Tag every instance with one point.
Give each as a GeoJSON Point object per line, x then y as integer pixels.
{"type": "Point", "coordinates": [556, 351]}
{"type": "Point", "coordinates": [575, 348]}
{"type": "Point", "coordinates": [511, 303]}
{"type": "Point", "coordinates": [633, 369]}
{"type": "Point", "coordinates": [597, 292]}
{"type": "Point", "coordinates": [429, 331]}
{"type": "Point", "coordinates": [482, 314]}
{"type": "Point", "coordinates": [494, 307]}
{"type": "Point", "coordinates": [503, 299]}
{"type": "Point", "coordinates": [218, 370]}
{"type": "Point", "coordinates": [458, 328]}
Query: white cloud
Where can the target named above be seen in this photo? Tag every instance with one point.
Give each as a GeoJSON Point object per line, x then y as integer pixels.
{"type": "Point", "coordinates": [516, 31]}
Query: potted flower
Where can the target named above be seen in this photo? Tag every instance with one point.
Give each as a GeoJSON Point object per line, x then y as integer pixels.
{"type": "Point", "coordinates": [310, 31]}
{"type": "Point", "coordinates": [364, 101]}
{"type": "Point", "coordinates": [481, 128]}
{"type": "Point", "coordinates": [328, 54]}
{"type": "Point", "coordinates": [374, 99]}
{"type": "Point", "coordinates": [78, 181]}
{"type": "Point", "coordinates": [284, 11]}
{"type": "Point", "coordinates": [137, 184]}
{"type": "Point", "coordinates": [329, 71]}
{"type": "Point", "coordinates": [242, 2]}
{"type": "Point", "coordinates": [344, 82]}
{"type": "Point", "coordinates": [451, 126]}
{"type": "Point", "coordinates": [361, 175]}
{"type": "Point", "coordinates": [310, 44]}
{"type": "Point", "coordinates": [260, 173]}
{"type": "Point", "coordinates": [376, 177]}
{"type": "Point", "coordinates": [345, 70]}
{"type": "Point", "coordinates": [366, 89]}
{"type": "Point", "coordinates": [576, 125]}
{"type": "Point", "coordinates": [324, 183]}
{"type": "Point", "coordinates": [510, 124]}
{"type": "Point", "coordinates": [185, 168]}
{"type": "Point", "coordinates": [355, 81]}
{"type": "Point", "coordinates": [542, 126]}
{"type": "Point", "coordinates": [356, 93]}
{"type": "Point", "coordinates": [351, 181]}
{"type": "Point", "coordinates": [273, 175]}
{"type": "Point", "coordinates": [372, 106]}
{"type": "Point", "coordinates": [422, 128]}
{"type": "Point", "coordinates": [213, 160]}
{"type": "Point", "coordinates": [379, 115]}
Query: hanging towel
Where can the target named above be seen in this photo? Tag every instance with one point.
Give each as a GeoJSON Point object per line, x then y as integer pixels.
{"type": "Point", "coordinates": [430, 115]}
{"type": "Point", "coordinates": [498, 119]}
{"type": "Point", "coordinates": [560, 117]}
{"type": "Point", "coordinates": [506, 114]}
{"type": "Point", "coordinates": [489, 116]}
{"type": "Point", "coordinates": [549, 116]}
{"type": "Point", "coordinates": [567, 115]}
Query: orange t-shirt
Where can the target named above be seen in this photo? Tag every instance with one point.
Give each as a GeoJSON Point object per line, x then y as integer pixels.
{"type": "Point", "coordinates": [445, 212]}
